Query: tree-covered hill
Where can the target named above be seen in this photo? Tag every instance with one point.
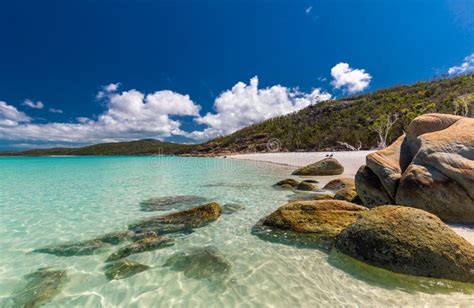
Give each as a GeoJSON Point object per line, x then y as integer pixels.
{"type": "Point", "coordinates": [354, 121]}
{"type": "Point", "coordinates": [138, 147]}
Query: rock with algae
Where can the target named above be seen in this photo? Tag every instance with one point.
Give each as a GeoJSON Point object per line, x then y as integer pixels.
{"type": "Point", "coordinates": [171, 202]}
{"type": "Point", "coordinates": [41, 287]}
{"type": "Point", "coordinates": [308, 223]}
{"type": "Point", "coordinates": [202, 263]}
{"type": "Point", "coordinates": [408, 241]}
{"type": "Point", "coordinates": [88, 247]}
{"type": "Point", "coordinates": [148, 243]}
{"type": "Point", "coordinates": [122, 269]}
{"type": "Point", "coordinates": [179, 221]}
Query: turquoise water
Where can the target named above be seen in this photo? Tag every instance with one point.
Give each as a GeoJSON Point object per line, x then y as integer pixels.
{"type": "Point", "coordinates": [48, 201]}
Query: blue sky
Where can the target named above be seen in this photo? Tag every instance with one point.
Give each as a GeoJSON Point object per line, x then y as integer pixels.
{"type": "Point", "coordinates": [78, 72]}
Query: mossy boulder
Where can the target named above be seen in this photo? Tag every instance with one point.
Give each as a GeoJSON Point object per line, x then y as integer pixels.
{"type": "Point", "coordinates": [408, 241]}
{"type": "Point", "coordinates": [41, 286]}
{"type": "Point", "coordinates": [307, 186]}
{"type": "Point", "coordinates": [347, 194]}
{"type": "Point", "coordinates": [180, 221]}
{"type": "Point", "coordinates": [286, 184]}
{"type": "Point", "coordinates": [323, 220]}
{"type": "Point", "coordinates": [122, 269]}
{"type": "Point", "coordinates": [338, 184]}
{"type": "Point", "coordinates": [149, 243]}
{"type": "Point", "coordinates": [171, 202]}
{"type": "Point", "coordinates": [327, 166]}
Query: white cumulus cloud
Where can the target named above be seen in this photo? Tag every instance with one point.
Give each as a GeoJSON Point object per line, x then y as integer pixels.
{"type": "Point", "coordinates": [10, 116]}
{"type": "Point", "coordinates": [128, 115]}
{"type": "Point", "coordinates": [244, 105]}
{"type": "Point", "coordinates": [465, 67]}
{"type": "Point", "coordinates": [31, 104]}
{"type": "Point", "coordinates": [348, 79]}
{"type": "Point", "coordinates": [108, 89]}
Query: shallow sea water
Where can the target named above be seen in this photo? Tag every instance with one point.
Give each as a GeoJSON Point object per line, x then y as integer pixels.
{"type": "Point", "coordinates": [52, 200]}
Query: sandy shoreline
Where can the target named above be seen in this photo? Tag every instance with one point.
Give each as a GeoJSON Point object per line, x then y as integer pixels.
{"type": "Point", "coordinates": [351, 160]}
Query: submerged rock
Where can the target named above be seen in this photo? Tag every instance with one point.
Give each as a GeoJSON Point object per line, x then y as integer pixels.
{"type": "Point", "coordinates": [319, 221]}
{"type": "Point", "coordinates": [123, 269]}
{"type": "Point", "coordinates": [84, 248]}
{"type": "Point", "coordinates": [171, 202]}
{"type": "Point", "coordinates": [180, 221]}
{"type": "Point", "coordinates": [287, 184]}
{"type": "Point", "coordinates": [42, 286]}
{"type": "Point", "coordinates": [88, 247]}
{"type": "Point", "coordinates": [200, 263]}
{"type": "Point", "coordinates": [115, 238]}
{"type": "Point", "coordinates": [327, 166]}
{"type": "Point", "coordinates": [231, 208]}
{"type": "Point", "coordinates": [408, 241]}
{"type": "Point", "coordinates": [339, 184]}
{"type": "Point", "coordinates": [149, 243]}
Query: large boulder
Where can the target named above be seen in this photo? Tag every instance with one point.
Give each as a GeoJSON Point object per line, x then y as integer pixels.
{"type": "Point", "coordinates": [408, 241]}
{"type": "Point", "coordinates": [286, 184]}
{"type": "Point", "coordinates": [327, 166]}
{"type": "Point", "coordinates": [322, 219]}
{"type": "Point", "coordinates": [342, 183]}
{"type": "Point", "coordinates": [307, 186]}
{"type": "Point", "coordinates": [179, 221]}
{"type": "Point", "coordinates": [431, 168]}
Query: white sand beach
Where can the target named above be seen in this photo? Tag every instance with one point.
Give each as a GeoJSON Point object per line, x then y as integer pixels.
{"type": "Point", "coordinates": [351, 160]}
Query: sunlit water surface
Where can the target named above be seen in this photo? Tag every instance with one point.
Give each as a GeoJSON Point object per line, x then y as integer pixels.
{"type": "Point", "coordinates": [47, 201]}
